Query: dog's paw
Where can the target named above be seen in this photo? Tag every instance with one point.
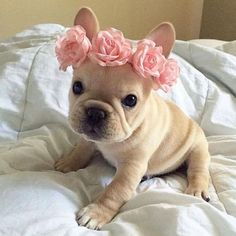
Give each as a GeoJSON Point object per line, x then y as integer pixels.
{"type": "Point", "coordinates": [94, 216]}
{"type": "Point", "coordinates": [198, 191]}
{"type": "Point", "coordinates": [63, 165]}
{"type": "Point", "coordinates": [67, 164]}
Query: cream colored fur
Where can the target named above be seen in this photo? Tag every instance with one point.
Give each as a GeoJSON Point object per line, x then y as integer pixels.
{"type": "Point", "coordinates": [154, 137]}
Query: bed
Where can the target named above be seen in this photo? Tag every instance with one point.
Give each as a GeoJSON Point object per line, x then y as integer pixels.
{"type": "Point", "coordinates": [37, 200]}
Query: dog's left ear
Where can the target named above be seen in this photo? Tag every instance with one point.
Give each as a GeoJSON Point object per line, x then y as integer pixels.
{"type": "Point", "coordinates": [163, 35]}
{"type": "Point", "coordinates": [88, 20]}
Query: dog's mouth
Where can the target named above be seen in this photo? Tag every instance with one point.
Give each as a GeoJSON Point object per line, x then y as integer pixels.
{"type": "Point", "coordinates": [101, 132]}
{"type": "Point", "coordinates": [93, 133]}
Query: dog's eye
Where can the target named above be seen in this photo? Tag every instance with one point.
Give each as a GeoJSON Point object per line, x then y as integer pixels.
{"type": "Point", "coordinates": [129, 101]}
{"type": "Point", "coordinates": [77, 88]}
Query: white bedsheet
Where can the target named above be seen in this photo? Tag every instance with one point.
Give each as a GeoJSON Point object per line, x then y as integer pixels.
{"type": "Point", "coordinates": [36, 200]}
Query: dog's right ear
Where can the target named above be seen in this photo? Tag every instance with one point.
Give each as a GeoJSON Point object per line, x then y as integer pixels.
{"type": "Point", "coordinates": [88, 20]}
{"type": "Point", "coordinates": [163, 35]}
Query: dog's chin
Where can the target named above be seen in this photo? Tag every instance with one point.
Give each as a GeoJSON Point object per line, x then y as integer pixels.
{"type": "Point", "coordinates": [95, 135]}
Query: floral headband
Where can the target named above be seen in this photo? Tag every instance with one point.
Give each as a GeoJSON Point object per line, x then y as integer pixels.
{"type": "Point", "coordinates": [110, 48]}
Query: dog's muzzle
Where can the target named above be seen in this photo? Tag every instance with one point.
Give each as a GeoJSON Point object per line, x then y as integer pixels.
{"type": "Point", "coordinates": [93, 125]}
{"type": "Point", "coordinates": [95, 116]}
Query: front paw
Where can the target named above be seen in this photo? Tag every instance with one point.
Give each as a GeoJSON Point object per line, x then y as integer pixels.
{"type": "Point", "coordinates": [94, 216]}
{"type": "Point", "coordinates": [67, 164]}
{"type": "Point", "coordinates": [198, 191]}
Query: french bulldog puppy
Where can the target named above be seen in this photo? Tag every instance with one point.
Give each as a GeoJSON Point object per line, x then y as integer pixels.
{"type": "Point", "coordinates": [116, 112]}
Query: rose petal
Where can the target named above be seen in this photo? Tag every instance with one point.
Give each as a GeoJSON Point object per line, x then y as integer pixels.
{"type": "Point", "coordinates": [110, 48]}
{"type": "Point", "coordinates": [72, 48]}
{"type": "Point", "coordinates": [147, 59]}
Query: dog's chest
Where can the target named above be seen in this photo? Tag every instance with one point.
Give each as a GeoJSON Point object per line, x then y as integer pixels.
{"type": "Point", "coordinates": [110, 157]}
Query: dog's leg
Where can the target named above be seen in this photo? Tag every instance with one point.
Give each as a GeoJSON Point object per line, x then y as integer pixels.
{"type": "Point", "coordinates": [119, 191]}
{"type": "Point", "coordinates": [198, 171]}
{"type": "Point", "coordinates": [77, 159]}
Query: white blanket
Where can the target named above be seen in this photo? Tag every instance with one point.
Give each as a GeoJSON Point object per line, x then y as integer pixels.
{"type": "Point", "coordinates": [37, 200]}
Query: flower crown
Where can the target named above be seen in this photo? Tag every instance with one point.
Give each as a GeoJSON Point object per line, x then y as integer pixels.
{"type": "Point", "coordinates": [110, 48]}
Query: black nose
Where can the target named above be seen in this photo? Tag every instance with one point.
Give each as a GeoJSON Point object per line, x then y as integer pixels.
{"type": "Point", "coordinates": [95, 115]}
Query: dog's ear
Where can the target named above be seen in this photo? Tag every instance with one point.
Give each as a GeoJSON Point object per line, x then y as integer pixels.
{"type": "Point", "coordinates": [163, 35]}
{"type": "Point", "coordinates": [88, 20]}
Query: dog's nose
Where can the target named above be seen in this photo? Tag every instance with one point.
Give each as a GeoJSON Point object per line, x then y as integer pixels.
{"type": "Point", "coordinates": [95, 115]}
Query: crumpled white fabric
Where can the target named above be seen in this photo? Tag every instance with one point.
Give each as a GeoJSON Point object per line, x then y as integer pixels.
{"type": "Point", "coordinates": [36, 200]}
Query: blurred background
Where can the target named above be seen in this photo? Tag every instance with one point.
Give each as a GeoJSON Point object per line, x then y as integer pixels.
{"type": "Point", "coordinates": [192, 19]}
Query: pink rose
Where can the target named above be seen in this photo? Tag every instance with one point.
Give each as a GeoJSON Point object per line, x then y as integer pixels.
{"type": "Point", "coordinates": [72, 48]}
{"type": "Point", "coordinates": [169, 75]}
{"type": "Point", "coordinates": [148, 59]}
{"type": "Point", "coordinates": [110, 48]}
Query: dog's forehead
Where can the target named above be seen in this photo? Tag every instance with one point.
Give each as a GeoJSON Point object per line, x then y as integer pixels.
{"type": "Point", "coordinates": [113, 78]}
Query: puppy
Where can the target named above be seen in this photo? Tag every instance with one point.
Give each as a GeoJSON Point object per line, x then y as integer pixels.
{"type": "Point", "coordinates": [116, 111]}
